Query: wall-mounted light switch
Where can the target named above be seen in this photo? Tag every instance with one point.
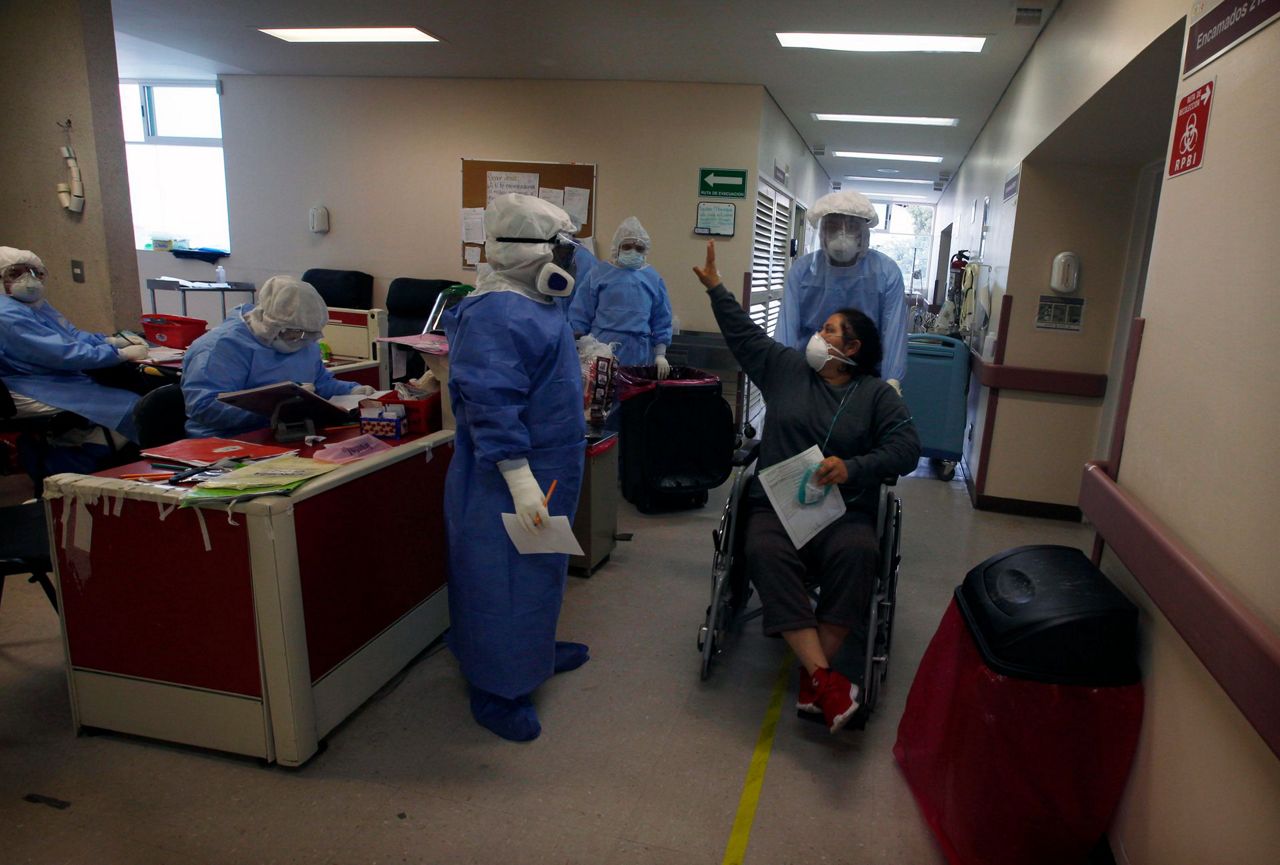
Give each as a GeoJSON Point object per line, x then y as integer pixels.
{"type": "Point", "coordinates": [77, 271]}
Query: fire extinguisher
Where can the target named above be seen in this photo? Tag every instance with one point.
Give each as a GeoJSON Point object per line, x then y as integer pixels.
{"type": "Point", "coordinates": [960, 259]}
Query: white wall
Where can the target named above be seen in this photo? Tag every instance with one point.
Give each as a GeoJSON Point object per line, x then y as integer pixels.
{"type": "Point", "coordinates": [384, 155]}
{"type": "Point", "coordinates": [807, 181]}
{"type": "Point", "coordinates": [61, 64]}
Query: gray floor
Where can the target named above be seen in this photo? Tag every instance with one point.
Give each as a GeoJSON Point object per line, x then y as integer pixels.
{"type": "Point", "coordinates": [639, 762]}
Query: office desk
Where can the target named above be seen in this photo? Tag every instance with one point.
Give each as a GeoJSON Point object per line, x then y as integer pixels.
{"type": "Point", "coordinates": [255, 629]}
{"type": "Point", "coordinates": [154, 285]}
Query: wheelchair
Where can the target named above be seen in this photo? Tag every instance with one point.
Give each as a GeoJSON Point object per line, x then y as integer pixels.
{"type": "Point", "coordinates": [731, 593]}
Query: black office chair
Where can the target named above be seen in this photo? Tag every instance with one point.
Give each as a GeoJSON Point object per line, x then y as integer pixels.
{"type": "Point", "coordinates": [409, 303]}
{"type": "Point", "coordinates": [24, 547]}
{"type": "Point", "coordinates": [160, 416]}
{"type": "Point", "coordinates": [349, 289]}
{"type": "Point", "coordinates": [34, 434]}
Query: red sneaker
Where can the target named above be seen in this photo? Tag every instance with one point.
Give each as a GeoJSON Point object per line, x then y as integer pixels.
{"type": "Point", "coordinates": [837, 697]}
{"type": "Point", "coordinates": [807, 698]}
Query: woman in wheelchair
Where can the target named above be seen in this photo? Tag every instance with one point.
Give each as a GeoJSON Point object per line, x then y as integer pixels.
{"type": "Point", "coordinates": [830, 395]}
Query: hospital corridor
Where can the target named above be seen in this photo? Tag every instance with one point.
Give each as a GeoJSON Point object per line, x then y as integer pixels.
{"type": "Point", "coordinates": [589, 433]}
{"type": "Point", "coordinates": [641, 762]}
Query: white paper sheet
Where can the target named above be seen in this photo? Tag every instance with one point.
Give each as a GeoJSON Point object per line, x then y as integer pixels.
{"type": "Point", "coordinates": [473, 225]}
{"type": "Point", "coordinates": [471, 255]}
{"type": "Point", "coordinates": [577, 202]}
{"type": "Point", "coordinates": [348, 401]}
{"type": "Point", "coordinates": [555, 196]}
{"type": "Point", "coordinates": [781, 483]}
{"type": "Point", "coordinates": [554, 537]}
{"type": "Point", "coordinates": [503, 182]}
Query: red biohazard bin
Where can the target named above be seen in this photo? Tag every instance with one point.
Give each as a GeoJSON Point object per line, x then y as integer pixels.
{"type": "Point", "coordinates": [1021, 724]}
{"type": "Point", "coordinates": [172, 331]}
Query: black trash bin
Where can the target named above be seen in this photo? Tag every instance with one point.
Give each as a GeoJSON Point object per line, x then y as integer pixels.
{"type": "Point", "coordinates": [1023, 718]}
{"type": "Point", "coordinates": [677, 437]}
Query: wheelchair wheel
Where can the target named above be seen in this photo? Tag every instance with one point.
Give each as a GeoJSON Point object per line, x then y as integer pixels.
{"type": "Point", "coordinates": [711, 635]}
{"type": "Point", "coordinates": [885, 598]}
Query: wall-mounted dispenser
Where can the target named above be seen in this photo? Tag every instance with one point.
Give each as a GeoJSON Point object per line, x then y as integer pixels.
{"type": "Point", "coordinates": [1064, 277]}
{"type": "Point", "coordinates": [320, 220]}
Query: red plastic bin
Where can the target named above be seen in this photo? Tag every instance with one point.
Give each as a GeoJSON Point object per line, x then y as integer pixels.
{"type": "Point", "coordinates": [172, 331]}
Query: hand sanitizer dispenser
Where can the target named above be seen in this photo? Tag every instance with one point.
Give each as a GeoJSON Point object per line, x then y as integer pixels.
{"type": "Point", "coordinates": [1064, 277]}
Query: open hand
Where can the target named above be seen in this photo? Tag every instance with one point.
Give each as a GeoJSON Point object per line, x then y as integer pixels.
{"type": "Point", "coordinates": [707, 274]}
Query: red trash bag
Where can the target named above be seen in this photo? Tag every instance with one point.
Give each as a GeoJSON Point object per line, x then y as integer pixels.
{"type": "Point", "coordinates": [1009, 771]}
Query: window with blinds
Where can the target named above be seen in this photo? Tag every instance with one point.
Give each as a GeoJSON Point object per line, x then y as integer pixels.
{"type": "Point", "coordinates": [771, 239]}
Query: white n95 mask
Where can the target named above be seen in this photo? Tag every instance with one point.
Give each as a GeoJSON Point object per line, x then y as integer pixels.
{"type": "Point", "coordinates": [817, 352]}
{"type": "Point", "coordinates": [844, 248]}
{"type": "Point", "coordinates": [27, 289]}
{"type": "Point", "coordinates": [288, 346]}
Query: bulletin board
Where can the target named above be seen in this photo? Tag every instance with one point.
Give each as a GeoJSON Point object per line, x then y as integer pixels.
{"type": "Point", "coordinates": [552, 178]}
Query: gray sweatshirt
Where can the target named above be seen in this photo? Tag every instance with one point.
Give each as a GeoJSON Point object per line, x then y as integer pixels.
{"type": "Point", "coordinates": [872, 432]}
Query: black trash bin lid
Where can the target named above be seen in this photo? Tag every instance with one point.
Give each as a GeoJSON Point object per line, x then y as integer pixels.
{"type": "Point", "coordinates": [1045, 613]}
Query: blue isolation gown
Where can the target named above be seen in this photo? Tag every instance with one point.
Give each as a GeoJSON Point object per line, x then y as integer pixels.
{"type": "Point", "coordinates": [816, 289]}
{"type": "Point", "coordinates": [43, 356]}
{"type": "Point", "coordinates": [516, 387]}
{"type": "Point", "coordinates": [628, 307]}
{"type": "Point", "coordinates": [230, 357]}
{"type": "Point", "coordinates": [583, 263]}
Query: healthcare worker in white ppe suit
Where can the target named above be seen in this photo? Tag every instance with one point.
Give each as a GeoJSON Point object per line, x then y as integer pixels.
{"type": "Point", "coordinates": [516, 386]}
{"type": "Point", "coordinates": [846, 272]}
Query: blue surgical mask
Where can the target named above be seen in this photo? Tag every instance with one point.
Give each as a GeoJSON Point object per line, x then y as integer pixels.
{"type": "Point", "coordinates": [630, 259]}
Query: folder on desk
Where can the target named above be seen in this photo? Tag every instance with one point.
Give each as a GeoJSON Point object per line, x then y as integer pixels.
{"type": "Point", "coordinates": [203, 452]}
{"type": "Point", "coordinates": [264, 400]}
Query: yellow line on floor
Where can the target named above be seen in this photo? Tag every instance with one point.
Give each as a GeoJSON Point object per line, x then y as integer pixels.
{"type": "Point", "coordinates": [741, 834]}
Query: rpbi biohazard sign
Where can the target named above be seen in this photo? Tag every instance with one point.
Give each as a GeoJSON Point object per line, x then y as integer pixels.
{"type": "Point", "coordinates": [1190, 131]}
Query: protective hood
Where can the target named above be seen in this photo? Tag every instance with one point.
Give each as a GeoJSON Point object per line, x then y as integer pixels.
{"type": "Point", "coordinates": [845, 201]}
{"type": "Point", "coordinates": [286, 303]}
{"type": "Point", "coordinates": [10, 256]}
{"type": "Point", "coordinates": [527, 218]}
{"type": "Point", "coordinates": [28, 288]}
{"type": "Point", "coordinates": [630, 229]}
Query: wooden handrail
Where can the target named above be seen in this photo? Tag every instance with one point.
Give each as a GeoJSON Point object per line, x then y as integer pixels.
{"type": "Point", "coordinates": [1238, 648]}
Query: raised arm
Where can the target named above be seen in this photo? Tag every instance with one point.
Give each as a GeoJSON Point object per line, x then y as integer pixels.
{"type": "Point", "coordinates": [756, 353]}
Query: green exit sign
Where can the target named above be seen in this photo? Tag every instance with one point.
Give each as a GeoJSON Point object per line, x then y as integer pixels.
{"type": "Point", "coordinates": [722, 183]}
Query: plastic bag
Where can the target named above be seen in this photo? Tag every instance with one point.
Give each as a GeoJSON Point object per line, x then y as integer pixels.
{"type": "Point", "coordinates": [598, 369]}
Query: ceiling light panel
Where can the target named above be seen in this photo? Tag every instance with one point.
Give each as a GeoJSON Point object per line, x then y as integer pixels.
{"type": "Point", "coordinates": [881, 42]}
{"type": "Point", "coordinates": [351, 34]}
{"type": "Point", "coordinates": [900, 157]}
{"type": "Point", "coordinates": [884, 118]}
{"type": "Point", "coordinates": [886, 197]}
{"type": "Point", "coordinates": [886, 179]}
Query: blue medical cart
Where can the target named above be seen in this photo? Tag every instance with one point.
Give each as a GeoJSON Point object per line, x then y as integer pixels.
{"type": "Point", "coordinates": [935, 389]}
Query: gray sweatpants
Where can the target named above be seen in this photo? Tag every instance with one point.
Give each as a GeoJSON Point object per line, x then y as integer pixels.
{"type": "Point", "coordinates": [841, 560]}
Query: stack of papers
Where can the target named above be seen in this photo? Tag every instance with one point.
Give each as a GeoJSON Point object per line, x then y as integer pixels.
{"type": "Point", "coordinates": [275, 477]}
{"type": "Point", "coordinates": [161, 354]}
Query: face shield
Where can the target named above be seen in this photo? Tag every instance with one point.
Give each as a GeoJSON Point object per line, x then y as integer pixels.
{"type": "Point", "coordinates": [844, 238]}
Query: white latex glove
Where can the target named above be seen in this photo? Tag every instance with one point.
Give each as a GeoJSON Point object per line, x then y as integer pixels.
{"type": "Point", "coordinates": [307, 386]}
{"type": "Point", "coordinates": [664, 367]}
{"type": "Point", "coordinates": [117, 341]}
{"type": "Point", "coordinates": [895, 384]}
{"type": "Point", "coordinates": [527, 496]}
{"type": "Point", "coordinates": [363, 390]}
{"type": "Point", "coordinates": [134, 353]}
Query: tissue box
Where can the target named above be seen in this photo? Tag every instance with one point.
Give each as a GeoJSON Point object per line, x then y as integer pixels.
{"type": "Point", "coordinates": [384, 426]}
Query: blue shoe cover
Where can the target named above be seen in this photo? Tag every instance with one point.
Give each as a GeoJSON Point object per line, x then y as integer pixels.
{"type": "Point", "coordinates": [514, 720]}
{"type": "Point", "coordinates": [570, 656]}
